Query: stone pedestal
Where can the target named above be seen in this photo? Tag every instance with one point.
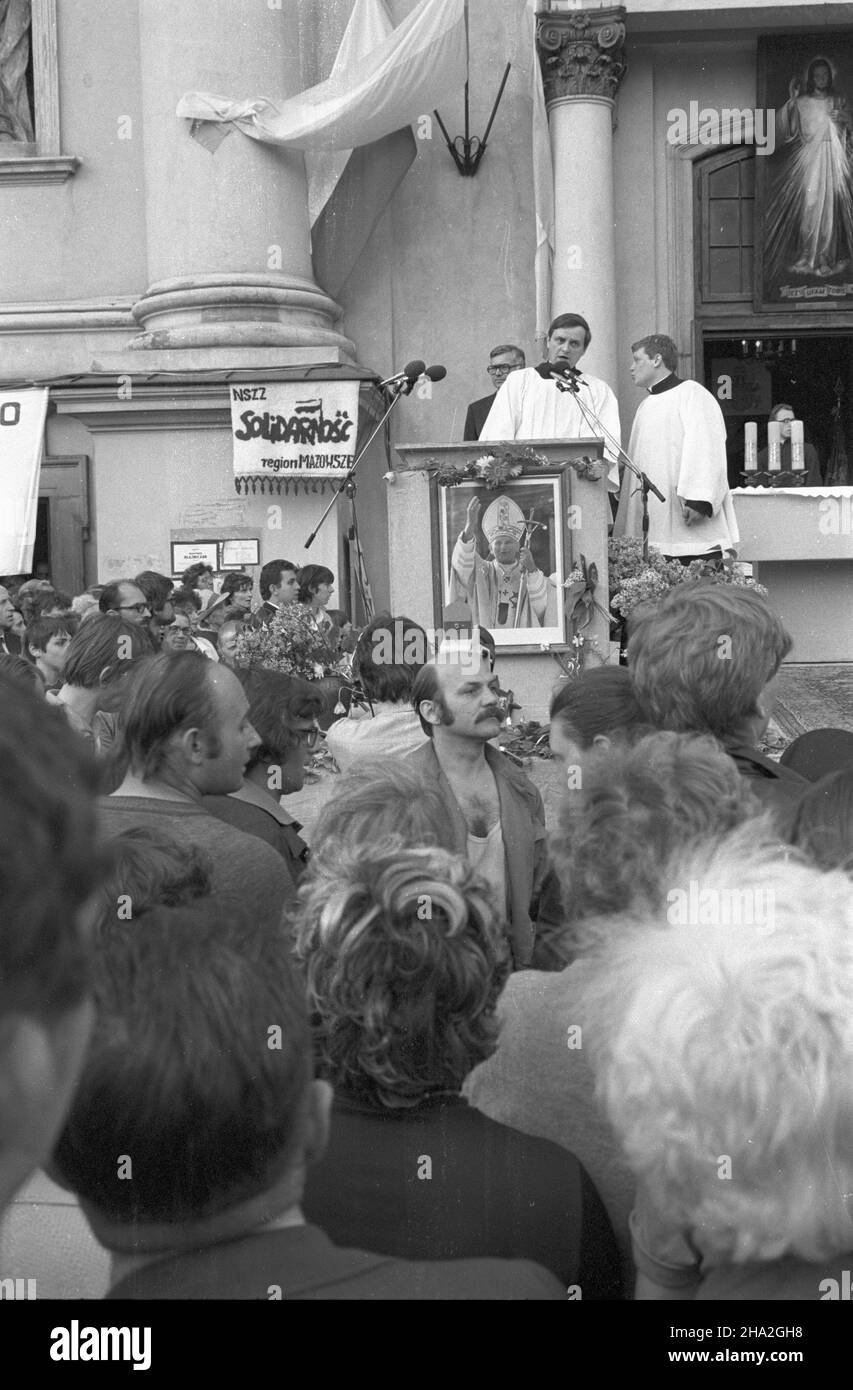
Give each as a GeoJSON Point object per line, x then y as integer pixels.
{"type": "Point", "coordinates": [228, 235]}
{"type": "Point", "coordinates": [582, 61]}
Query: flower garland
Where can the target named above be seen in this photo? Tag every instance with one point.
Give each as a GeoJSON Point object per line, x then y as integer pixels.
{"type": "Point", "coordinates": [498, 466]}
{"type": "Point", "coordinates": [290, 643]}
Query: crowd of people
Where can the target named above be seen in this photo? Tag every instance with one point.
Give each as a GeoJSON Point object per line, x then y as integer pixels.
{"type": "Point", "coordinates": [436, 1048]}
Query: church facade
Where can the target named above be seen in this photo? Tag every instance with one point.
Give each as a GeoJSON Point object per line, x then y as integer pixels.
{"type": "Point", "coordinates": [142, 275]}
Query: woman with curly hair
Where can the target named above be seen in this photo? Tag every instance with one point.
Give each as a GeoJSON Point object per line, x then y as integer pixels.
{"type": "Point", "coordinates": [404, 960]}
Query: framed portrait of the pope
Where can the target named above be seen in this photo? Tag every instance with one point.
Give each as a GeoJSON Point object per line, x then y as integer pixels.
{"type": "Point", "coordinates": [804, 176]}
{"type": "Point", "coordinates": [503, 555]}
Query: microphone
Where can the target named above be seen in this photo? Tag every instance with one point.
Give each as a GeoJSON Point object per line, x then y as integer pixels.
{"type": "Point", "coordinates": [436, 373]}
{"type": "Point", "coordinates": [408, 375]}
{"type": "Point", "coordinates": [563, 371]}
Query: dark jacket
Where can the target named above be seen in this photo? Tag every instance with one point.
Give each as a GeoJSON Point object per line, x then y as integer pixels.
{"type": "Point", "coordinates": [477, 414]}
{"type": "Point", "coordinates": [778, 788]}
{"type": "Point", "coordinates": [524, 836]}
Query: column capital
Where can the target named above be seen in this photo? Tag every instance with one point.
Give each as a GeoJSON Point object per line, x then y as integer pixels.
{"type": "Point", "coordinates": [581, 52]}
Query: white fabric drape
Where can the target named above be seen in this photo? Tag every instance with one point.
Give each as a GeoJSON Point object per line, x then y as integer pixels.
{"type": "Point", "coordinates": [419, 64]}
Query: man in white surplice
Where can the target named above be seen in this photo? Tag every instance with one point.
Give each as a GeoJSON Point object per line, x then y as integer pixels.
{"type": "Point", "coordinates": [532, 405]}
{"type": "Point", "coordinates": [679, 440]}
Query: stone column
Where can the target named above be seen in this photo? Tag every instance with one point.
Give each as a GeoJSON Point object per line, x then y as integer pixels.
{"type": "Point", "coordinates": [582, 61]}
{"type": "Point", "coordinates": [228, 237]}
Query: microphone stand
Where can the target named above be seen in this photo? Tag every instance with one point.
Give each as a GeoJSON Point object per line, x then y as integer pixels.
{"type": "Point", "coordinates": [346, 484]}
{"type": "Point", "coordinates": [593, 421]}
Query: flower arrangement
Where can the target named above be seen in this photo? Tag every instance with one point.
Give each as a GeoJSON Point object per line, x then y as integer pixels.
{"type": "Point", "coordinates": [291, 644]}
{"type": "Point", "coordinates": [635, 581]}
{"type": "Point", "coordinates": [498, 466]}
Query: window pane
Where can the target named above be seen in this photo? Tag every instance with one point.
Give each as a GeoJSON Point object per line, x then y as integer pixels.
{"type": "Point", "coordinates": [724, 229]}
{"type": "Point", "coordinates": [725, 273]}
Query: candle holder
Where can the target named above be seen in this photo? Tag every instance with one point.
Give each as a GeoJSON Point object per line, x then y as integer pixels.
{"type": "Point", "coordinates": [779, 477]}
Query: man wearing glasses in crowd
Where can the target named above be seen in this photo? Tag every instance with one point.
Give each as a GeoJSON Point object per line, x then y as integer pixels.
{"type": "Point", "coordinates": [127, 599]}
{"type": "Point", "coordinates": [502, 360]}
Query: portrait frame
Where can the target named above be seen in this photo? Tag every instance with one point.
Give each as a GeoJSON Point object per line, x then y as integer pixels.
{"type": "Point", "coordinates": [800, 265]}
{"type": "Point", "coordinates": [547, 493]}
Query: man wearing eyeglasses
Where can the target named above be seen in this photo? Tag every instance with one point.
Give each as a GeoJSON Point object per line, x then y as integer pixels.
{"type": "Point", "coordinates": [502, 360]}
{"type": "Point", "coordinates": [125, 598]}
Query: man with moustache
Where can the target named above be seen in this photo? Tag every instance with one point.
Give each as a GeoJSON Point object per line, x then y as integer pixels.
{"type": "Point", "coordinates": [495, 811]}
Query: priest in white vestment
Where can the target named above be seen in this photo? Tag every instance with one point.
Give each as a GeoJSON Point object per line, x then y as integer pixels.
{"type": "Point", "coordinates": [679, 440]}
{"type": "Point", "coordinates": [531, 404]}
{"type": "Point", "coordinates": [506, 591]}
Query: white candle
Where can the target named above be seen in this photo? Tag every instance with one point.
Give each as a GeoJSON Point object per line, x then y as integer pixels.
{"type": "Point", "coordinates": [798, 453]}
{"type": "Point", "coordinates": [774, 446]}
{"type": "Point", "coordinates": [750, 451]}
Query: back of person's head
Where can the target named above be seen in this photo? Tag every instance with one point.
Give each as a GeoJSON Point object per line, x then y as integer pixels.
{"type": "Point", "coordinates": [724, 1034]}
{"type": "Point", "coordinates": [310, 579]}
{"type": "Point", "coordinates": [186, 600]}
{"type": "Point", "coordinates": [103, 650]}
{"type": "Point", "coordinates": [169, 693]}
{"type": "Point", "coordinates": [388, 655]}
{"type": "Point", "coordinates": [271, 574]}
{"type": "Point", "coordinates": [82, 604]}
{"type": "Point", "coordinates": [276, 701]}
{"type": "Point", "coordinates": [50, 864]}
{"type": "Point", "coordinates": [404, 959]}
{"type": "Point", "coordinates": [208, 1123]}
{"type": "Point", "coordinates": [385, 796]}
{"type": "Point", "coordinates": [236, 582]}
{"type": "Point", "coordinates": [156, 588]}
{"type": "Point", "coordinates": [35, 604]}
{"type": "Point", "coordinates": [817, 753]}
{"type": "Point", "coordinates": [22, 672]}
{"type": "Point", "coordinates": [193, 573]}
{"type": "Point", "coordinates": [598, 703]}
{"type": "Point", "coordinates": [149, 868]}
{"type": "Point", "coordinates": [822, 821]}
{"type": "Point", "coordinates": [700, 659]}
{"type": "Point", "coordinates": [635, 807]}
{"type": "Point", "coordinates": [109, 599]}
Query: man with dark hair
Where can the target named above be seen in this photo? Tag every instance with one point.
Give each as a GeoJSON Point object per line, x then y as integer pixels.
{"type": "Point", "coordinates": [49, 868]}
{"type": "Point", "coordinates": [495, 811]}
{"type": "Point", "coordinates": [704, 660]}
{"type": "Point", "coordinates": [10, 644]}
{"type": "Point", "coordinates": [157, 590]}
{"type": "Point", "coordinates": [187, 735]}
{"type": "Point", "coordinates": [100, 656]}
{"type": "Point", "coordinates": [221, 1131]}
{"type": "Point", "coordinates": [679, 439]}
{"type": "Point", "coordinates": [279, 585]}
{"type": "Point", "coordinates": [283, 711]}
{"type": "Point", "coordinates": [125, 598]}
{"type": "Point", "coordinates": [388, 655]}
{"type": "Point", "coordinates": [531, 404]}
{"type": "Point", "coordinates": [503, 359]}
{"type": "Point", "coordinates": [48, 640]}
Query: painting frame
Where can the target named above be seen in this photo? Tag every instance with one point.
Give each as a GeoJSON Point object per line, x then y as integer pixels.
{"type": "Point", "coordinates": [803, 257]}
{"type": "Point", "coordinates": [547, 491]}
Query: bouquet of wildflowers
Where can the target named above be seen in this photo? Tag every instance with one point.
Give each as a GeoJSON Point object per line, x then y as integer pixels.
{"type": "Point", "coordinates": [635, 581]}
{"type": "Point", "coordinates": [291, 644]}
